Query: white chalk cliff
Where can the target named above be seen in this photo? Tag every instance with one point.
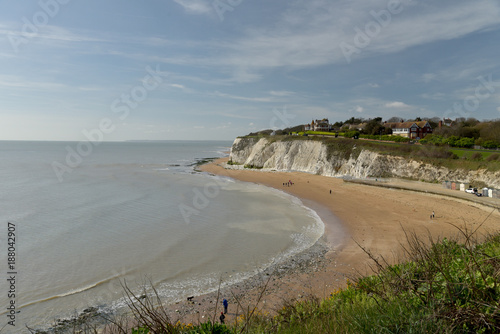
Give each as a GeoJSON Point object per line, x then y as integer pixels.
{"type": "Point", "coordinates": [315, 157]}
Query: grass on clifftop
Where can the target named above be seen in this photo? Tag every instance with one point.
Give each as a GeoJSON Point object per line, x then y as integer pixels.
{"type": "Point", "coordinates": [444, 286]}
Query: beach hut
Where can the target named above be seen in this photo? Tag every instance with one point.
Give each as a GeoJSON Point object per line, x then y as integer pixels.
{"type": "Point", "coordinates": [490, 192]}
{"type": "Point", "coordinates": [448, 184]}
{"type": "Point", "coordinates": [496, 193]}
{"type": "Point", "coordinates": [453, 186]}
{"type": "Point", "coordinates": [462, 187]}
{"type": "Point", "coordinates": [485, 192]}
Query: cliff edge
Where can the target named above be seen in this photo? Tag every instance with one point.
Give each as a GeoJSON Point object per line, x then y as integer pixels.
{"type": "Point", "coordinates": [343, 159]}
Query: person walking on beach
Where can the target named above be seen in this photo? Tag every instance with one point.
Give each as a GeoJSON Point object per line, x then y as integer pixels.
{"type": "Point", "coordinates": [330, 191]}
{"type": "Point", "coordinates": [222, 317]}
{"type": "Point", "coordinates": [225, 303]}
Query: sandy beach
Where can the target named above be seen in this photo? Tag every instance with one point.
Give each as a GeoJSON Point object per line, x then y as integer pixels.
{"type": "Point", "coordinates": [354, 215]}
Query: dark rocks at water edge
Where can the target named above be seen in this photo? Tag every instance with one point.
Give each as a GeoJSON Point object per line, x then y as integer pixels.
{"type": "Point", "coordinates": [89, 318]}
{"type": "Point", "coordinates": [306, 262]}
{"type": "Point", "coordinates": [202, 161]}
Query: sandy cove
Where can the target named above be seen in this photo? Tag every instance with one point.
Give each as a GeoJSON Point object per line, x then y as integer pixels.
{"type": "Point", "coordinates": [373, 217]}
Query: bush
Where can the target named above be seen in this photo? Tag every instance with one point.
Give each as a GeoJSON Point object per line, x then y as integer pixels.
{"type": "Point", "coordinates": [436, 153]}
{"type": "Point", "coordinates": [351, 134]}
{"type": "Point", "coordinates": [476, 156]}
{"type": "Point", "coordinates": [489, 144]}
{"type": "Point", "coordinates": [493, 157]}
{"type": "Point", "coordinates": [444, 281]}
{"type": "Point", "coordinates": [433, 139]}
{"type": "Point", "coordinates": [464, 142]}
{"type": "Point", "coordinates": [397, 139]}
{"type": "Point", "coordinates": [444, 287]}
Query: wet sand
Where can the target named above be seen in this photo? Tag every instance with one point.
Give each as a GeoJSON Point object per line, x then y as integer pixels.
{"type": "Point", "coordinates": [356, 216]}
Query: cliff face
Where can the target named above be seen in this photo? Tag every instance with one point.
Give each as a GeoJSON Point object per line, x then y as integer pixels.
{"type": "Point", "coordinates": [314, 157]}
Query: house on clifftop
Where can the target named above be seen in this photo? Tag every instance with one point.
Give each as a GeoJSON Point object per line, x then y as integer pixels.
{"type": "Point", "coordinates": [412, 130]}
{"type": "Point", "coordinates": [318, 125]}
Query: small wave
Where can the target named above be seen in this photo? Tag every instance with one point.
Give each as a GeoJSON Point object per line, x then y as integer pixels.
{"type": "Point", "coordinates": [319, 227]}
{"type": "Point", "coordinates": [71, 292]}
{"type": "Point", "coordinates": [220, 151]}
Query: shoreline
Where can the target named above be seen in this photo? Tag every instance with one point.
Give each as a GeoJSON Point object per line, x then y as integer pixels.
{"type": "Point", "coordinates": [353, 213]}
{"type": "Point", "coordinates": [372, 217]}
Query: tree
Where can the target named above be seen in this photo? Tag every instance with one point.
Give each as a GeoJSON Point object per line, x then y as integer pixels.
{"type": "Point", "coordinates": [490, 131]}
{"type": "Point", "coordinates": [353, 120]}
{"type": "Point", "coordinates": [471, 121]}
{"type": "Point", "coordinates": [468, 131]}
{"type": "Point", "coordinates": [374, 126]}
{"type": "Point", "coordinates": [394, 119]}
{"type": "Point", "coordinates": [434, 122]}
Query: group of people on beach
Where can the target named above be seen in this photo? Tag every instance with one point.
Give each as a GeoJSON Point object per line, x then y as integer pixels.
{"type": "Point", "coordinates": [225, 303]}
{"type": "Point", "coordinates": [288, 184]}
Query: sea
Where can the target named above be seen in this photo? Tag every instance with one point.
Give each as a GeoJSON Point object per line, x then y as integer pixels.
{"type": "Point", "coordinates": [81, 220]}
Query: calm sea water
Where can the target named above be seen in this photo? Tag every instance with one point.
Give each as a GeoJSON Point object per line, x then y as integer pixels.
{"type": "Point", "coordinates": [133, 211]}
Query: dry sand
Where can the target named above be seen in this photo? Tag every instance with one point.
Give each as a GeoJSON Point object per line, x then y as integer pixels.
{"type": "Point", "coordinates": [375, 218]}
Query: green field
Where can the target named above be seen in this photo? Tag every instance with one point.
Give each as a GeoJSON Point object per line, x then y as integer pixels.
{"type": "Point", "coordinates": [467, 153]}
{"type": "Point", "coordinates": [316, 133]}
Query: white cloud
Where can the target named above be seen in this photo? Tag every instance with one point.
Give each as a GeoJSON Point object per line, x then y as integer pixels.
{"type": "Point", "coordinates": [310, 34]}
{"type": "Point", "coordinates": [358, 109]}
{"type": "Point", "coordinates": [56, 34]}
{"type": "Point", "coordinates": [178, 86]}
{"type": "Point", "coordinates": [238, 116]}
{"type": "Point", "coordinates": [498, 109]}
{"type": "Point", "coordinates": [396, 104]}
{"type": "Point", "coordinates": [224, 126]}
{"type": "Point", "coordinates": [11, 81]}
{"type": "Point", "coordinates": [460, 71]}
{"type": "Point", "coordinates": [428, 77]}
{"type": "Point", "coordinates": [244, 98]}
{"type": "Point", "coordinates": [195, 6]}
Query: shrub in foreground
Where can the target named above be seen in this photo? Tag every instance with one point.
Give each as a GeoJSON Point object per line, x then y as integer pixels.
{"type": "Point", "coordinates": [446, 287]}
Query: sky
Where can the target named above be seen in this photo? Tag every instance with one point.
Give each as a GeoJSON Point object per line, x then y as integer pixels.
{"type": "Point", "coordinates": [216, 69]}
